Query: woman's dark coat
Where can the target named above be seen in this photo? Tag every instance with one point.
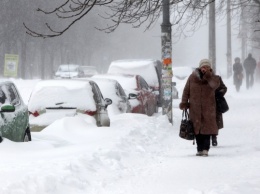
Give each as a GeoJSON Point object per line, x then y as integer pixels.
{"type": "Point", "coordinates": [220, 91]}
{"type": "Point", "coordinates": [199, 93]}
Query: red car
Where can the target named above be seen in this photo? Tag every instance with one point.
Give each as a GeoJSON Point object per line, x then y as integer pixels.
{"type": "Point", "coordinates": [142, 97]}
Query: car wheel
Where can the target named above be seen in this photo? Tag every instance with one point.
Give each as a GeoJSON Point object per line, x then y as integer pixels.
{"type": "Point", "coordinates": [152, 110]}
{"type": "Point", "coordinates": [27, 136]}
{"type": "Point", "coordinates": [99, 123]}
{"type": "Point", "coordinates": [98, 119]}
{"type": "Point", "coordinates": [156, 108]}
{"type": "Point", "coordinates": [146, 110]}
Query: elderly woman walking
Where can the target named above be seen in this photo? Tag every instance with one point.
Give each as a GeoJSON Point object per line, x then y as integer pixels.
{"type": "Point", "coordinates": [199, 97]}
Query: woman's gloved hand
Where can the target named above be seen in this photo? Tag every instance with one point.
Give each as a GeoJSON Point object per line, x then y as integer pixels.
{"type": "Point", "coordinates": [184, 105]}
{"type": "Point", "coordinates": [207, 74]}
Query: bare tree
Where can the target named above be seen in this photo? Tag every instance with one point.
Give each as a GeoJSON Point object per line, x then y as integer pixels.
{"type": "Point", "coordinates": [78, 43]}
{"type": "Point", "coordinates": [134, 12]}
{"type": "Point", "coordinates": [248, 14]}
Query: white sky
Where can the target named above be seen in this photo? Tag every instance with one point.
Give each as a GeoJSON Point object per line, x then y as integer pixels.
{"type": "Point", "coordinates": [189, 51]}
{"type": "Point", "coordinates": [136, 155]}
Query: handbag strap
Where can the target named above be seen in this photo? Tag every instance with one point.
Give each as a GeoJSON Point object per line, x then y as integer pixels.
{"type": "Point", "coordinates": [186, 114]}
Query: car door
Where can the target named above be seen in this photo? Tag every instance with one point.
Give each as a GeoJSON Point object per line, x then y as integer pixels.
{"type": "Point", "coordinates": [101, 115]}
{"type": "Point", "coordinates": [148, 98]}
{"type": "Point", "coordinates": [17, 121]}
{"type": "Point", "coordinates": [5, 118]}
{"type": "Point", "coordinates": [124, 104]}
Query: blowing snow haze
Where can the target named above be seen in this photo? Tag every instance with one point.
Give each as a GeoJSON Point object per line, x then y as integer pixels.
{"type": "Point", "coordinates": [85, 45]}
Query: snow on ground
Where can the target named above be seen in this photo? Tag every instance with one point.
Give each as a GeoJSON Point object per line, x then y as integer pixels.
{"type": "Point", "coordinates": [136, 155]}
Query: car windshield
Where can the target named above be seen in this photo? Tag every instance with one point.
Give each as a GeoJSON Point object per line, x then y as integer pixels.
{"type": "Point", "coordinates": [88, 70]}
{"type": "Point", "coordinates": [68, 68]}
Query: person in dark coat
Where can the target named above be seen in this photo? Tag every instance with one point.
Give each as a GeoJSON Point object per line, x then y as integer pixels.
{"type": "Point", "coordinates": [258, 71]}
{"type": "Point", "coordinates": [238, 73]}
{"type": "Point", "coordinates": [220, 91]}
{"type": "Point", "coordinates": [249, 65]}
{"type": "Point", "coordinates": [199, 97]}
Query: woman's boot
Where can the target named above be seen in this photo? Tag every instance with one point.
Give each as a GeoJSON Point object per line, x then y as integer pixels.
{"type": "Point", "coordinates": [214, 140]}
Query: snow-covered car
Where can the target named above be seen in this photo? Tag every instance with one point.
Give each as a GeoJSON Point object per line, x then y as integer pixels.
{"type": "Point", "coordinates": [175, 93]}
{"type": "Point", "coordinates": [67, 71]}
{"type": "Point", "coordinates": [180, 76]}
{"type": "Point", "coordinates": [51, 100]}
{"type": "Point", "coordinates": [112, 89]}
{"type": "Point", "coordinates": [87, 71]}
{"type": "Point", "coordinates": [14, 120]}
{"type": "Point", "coordinates": [182, 72]}
{"type": "Point", "coordinates": [149, 69]}
{"type": "Point", "coordinates": [141, 97]}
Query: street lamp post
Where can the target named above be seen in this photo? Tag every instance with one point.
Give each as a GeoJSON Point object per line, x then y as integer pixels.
{"type": "Point", "coordinates": [229, 46]}
{"type": "Point", "coordinates": [212, 35]}
{"type": "Point", "coordinates": [166, 61]}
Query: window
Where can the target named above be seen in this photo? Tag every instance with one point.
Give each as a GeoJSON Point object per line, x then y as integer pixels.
{"type": "Point", "coordinates": [2, 96]}
{"type": "Point", "coordinates": [121, 90]}
{"type": "Point", "coordinates": [143, 84]}
{"type": "Point", "coordinates": [97, 93]}
{"type": "Point", "coordinates": [11, 94]}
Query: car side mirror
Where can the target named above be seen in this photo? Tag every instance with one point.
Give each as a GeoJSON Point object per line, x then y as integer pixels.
{"type": "Point", "coordinates": [151, 89]}
{"type": "Point", "coordinates": [132, 96]}
{"type": "Point", "coordinates": [108, 101]}
{"type": "Point", "coordinates": [173, 83]}
{"type": "Point", "coordinates": [7, 108]}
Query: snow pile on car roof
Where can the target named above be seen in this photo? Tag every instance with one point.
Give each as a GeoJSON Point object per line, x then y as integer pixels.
{"type": "Point", "coordinates": [128, 82]}
{"type": "Point", "coordinates": [182, 72]}
{"type": "Point", "coordinates": [145, 68]}
{"type": "Point", "coordinates": [65, 93]}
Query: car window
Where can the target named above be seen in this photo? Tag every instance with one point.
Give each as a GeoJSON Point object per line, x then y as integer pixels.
{"type": "Point", "coordinates": [143, 84]}
{"type": "Point", "coordinates": [97, 94]}
{"type": "Point", "coordinates": [121, 90]}
{"type": "Point", "coordinates": [2, 96]}
{"type": "Point", "coordinates": [68, 68]}
{"type": "Point", "coordinates": [11, 94]}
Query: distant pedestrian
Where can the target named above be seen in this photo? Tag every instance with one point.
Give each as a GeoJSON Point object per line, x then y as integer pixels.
{"type": "Point", "coordinates": [258, 71]}
{"type": "Point", "coordinates": [220, 91]}
{"type": "Point", "coordinates": [238, 73]}
{"type": "Point", "coordinates": [199, 97]}
{"type": "Point", "coordinates": [249, 65]}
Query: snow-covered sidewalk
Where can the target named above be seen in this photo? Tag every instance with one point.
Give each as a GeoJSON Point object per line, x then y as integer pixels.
{"type": "Point", "coordinates": [137, 154]}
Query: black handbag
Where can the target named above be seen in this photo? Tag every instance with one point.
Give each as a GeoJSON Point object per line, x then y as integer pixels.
{"type": "Point", "coordinates": [221, 104]}
{"type": "Point", "coordinates": [186, 128]}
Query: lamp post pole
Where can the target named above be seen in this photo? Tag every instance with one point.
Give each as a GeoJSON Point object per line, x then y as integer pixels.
{"type": "Point", "coordinates": [212, 35]}
{"type": "Point", "coordinates": [166, 61]}
{"type": "Point", "coordinates": [229, 46]}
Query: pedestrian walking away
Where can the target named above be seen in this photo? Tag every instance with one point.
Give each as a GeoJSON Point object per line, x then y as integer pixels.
{"type": "Point", "coordinates": [238, 73]}
{"type": "Point", "coordinates": [220, 91]}
{"type": "Point", "coordinates": [199, 97]}
{"type": "Point", "coordinates": [258, 71]}
{"type": "Point", "coordinates": [249, 65]}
